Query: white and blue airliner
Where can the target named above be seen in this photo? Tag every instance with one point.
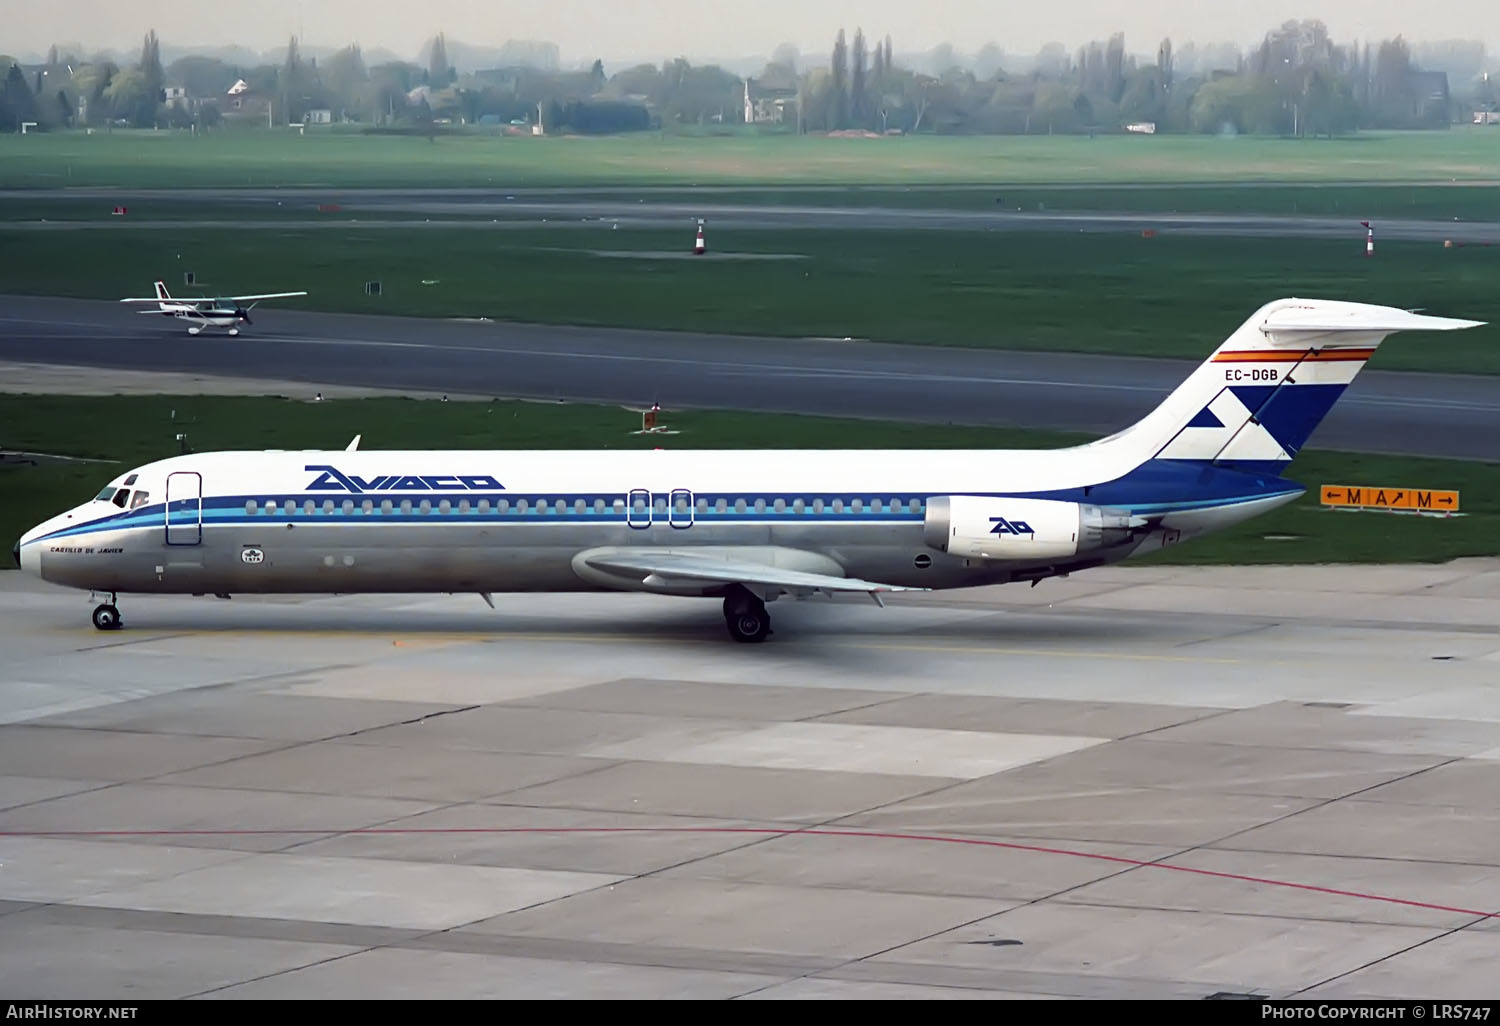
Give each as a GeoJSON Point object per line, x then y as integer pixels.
{"type": "Point", "coordinates": [744, 526]}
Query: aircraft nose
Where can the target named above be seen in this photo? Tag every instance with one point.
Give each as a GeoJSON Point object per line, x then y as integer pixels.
{"type": "Point", "coordinates": [27, 556]}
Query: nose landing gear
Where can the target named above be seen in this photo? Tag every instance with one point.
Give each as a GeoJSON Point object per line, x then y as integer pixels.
{"type": "Point", "coordinates": [107, 617]}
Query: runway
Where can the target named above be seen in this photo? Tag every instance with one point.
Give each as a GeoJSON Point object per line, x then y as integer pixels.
{"type": "Point", "coordinates": [673, 207]}
{"type": "Point", "coordinates": [1093, 788]}
{"type": "Point", "coordinates": [1390, 412]}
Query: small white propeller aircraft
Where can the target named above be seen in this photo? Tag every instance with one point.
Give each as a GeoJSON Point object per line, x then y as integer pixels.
{"type": "Point", "coordinates": [202, 312]}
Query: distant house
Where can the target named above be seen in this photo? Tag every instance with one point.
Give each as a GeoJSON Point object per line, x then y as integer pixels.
{"type": "Point", "coordinates": [246, 102]}
{"type": "Point", "coordinates": [768, 105]}
{"type": "Point", "coordinates": [1487, 117]}
{"type": "Point", "coordinates": [322, 116]}
{"type": "Point", "coordinates": [180, 103]}
{"type": "Point", "coordinates": [1142, 127]}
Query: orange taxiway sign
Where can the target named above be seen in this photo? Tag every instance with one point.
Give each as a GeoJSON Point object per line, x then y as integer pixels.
{"type": "Point", "coordinates": [1367, 497]}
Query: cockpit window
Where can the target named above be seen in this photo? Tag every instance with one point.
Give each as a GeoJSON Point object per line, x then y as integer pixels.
{"type": "Point", "coordinates": [130, 480]}
{"type": "Point", "coordinates": [120, 497]}
{"type": "Point", "coordinates": [139, 499]}
{"type": "Point", "coordinates": [105, 495]}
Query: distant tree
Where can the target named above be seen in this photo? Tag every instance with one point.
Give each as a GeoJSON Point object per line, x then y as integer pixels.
{"type": "Point", "coordinates": [17, 104]}
{"type": "Point", "coordinates": [91, 81]}
{"type": "Point", "coordinates": [987, 61]}
{"type": "Point", "coordinates": [1393, 95]}
{"type": "Point", "coordinates": [153, 91]}
{"type": "Point", "coordinates": [290, 84]}
{"type": "Point", "coordinates": [201, 76]}
{"type": "Point", "coordinates": [1114, 67]}
{"type": "Point", "coordinates": [839, 83]}
{"type": "Point", "coordinates": [1054, 107]}
{"type": "Point", "coordinates": [596, 77]}
{"type": "Point", "coordinates": [1051, 61]}
{"type": "Point", "coordinates": [128, 97]}
{"type": "Point", "coordinates": [857, 83]}
{"type": "Point", "coordinates": [387, 89]}
{"type": "Point", "coordinates": [345, 78]}
{"type": "Point", "coordinates": [1164, 63]}
{"type": "Point", "coordinates": [942, 58]}
{"type": "Point", "coordinates": [439, 72]}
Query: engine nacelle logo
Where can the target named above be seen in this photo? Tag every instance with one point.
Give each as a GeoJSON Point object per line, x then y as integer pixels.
{"type": "Point", "coordinates": [252, 555]}
{"type": "Point", "coordinates": [1016, 527]}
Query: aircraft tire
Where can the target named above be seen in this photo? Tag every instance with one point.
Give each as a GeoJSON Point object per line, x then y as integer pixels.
{"type": "Point", "coordinates": [745, 615]}
{"type": "Point", "coordinates": [749, 625]}
{"type": "Point", "coordinates": [107, 618]}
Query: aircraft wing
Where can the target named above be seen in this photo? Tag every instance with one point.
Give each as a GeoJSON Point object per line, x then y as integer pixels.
{"type": "Point", "coordinates": [175, 299]}
{"type": "Point", "coordinates": [268, 295]}
{"type": "Point", "coordinates": [667, 567]}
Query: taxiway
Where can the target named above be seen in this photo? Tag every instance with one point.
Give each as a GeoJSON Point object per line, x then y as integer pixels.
{"type": "Point", "coordinates": [1137, 782]}
{"type": "Point", "coordinates": [1391, 412]}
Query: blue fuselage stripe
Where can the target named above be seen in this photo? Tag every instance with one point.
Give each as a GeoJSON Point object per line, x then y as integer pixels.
{"type": "Point", "coordinates": [1157, 487]}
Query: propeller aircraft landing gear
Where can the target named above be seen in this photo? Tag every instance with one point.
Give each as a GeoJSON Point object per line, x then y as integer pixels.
{"type": "Point", "coordinates": [107, 617]}
{"type": "Point", "coordinates": [745, 615]}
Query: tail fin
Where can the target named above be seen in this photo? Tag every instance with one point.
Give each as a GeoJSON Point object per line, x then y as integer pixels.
{"type": "Point", "coordinates": [161, 293]}
{"type": "Point", "coordinates": [1255, 402]}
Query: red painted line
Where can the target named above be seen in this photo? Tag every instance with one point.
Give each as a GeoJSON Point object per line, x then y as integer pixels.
{"type": "Point", "coordinates": [766, 832]}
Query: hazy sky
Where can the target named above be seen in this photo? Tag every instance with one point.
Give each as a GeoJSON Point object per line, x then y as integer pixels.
{"type": "Point", "coordinates": [655, 29]}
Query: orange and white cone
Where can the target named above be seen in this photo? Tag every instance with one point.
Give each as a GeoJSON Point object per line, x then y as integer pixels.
{"type": "Point", "coordinates": [698, 244]}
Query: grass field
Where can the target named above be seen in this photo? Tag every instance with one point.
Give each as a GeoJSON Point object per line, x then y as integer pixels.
{"type": "Point", "coordinates": [1174, 296]}
{"type": "Point", "coordinates": [1442, 202]}
{"type": "Point", "coordinates": [131, 430]}
{"type": "Point", "coordinates": [226, 159]}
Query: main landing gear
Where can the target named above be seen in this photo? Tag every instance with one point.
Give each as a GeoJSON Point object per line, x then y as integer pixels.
{"type": "Point", "coordinates": [745, 615]}
{"type": "Point", "coordinates": [107, 617]}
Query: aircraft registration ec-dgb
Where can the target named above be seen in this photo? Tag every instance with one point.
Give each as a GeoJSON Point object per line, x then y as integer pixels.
{"type": "Point", "coordinates": [202, 312]}
{"type": "Point", "coordinates": [745, 526]}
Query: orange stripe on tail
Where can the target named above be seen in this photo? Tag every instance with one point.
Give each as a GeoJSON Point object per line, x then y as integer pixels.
{"type": "Point", "coordinates": [1275, 356]}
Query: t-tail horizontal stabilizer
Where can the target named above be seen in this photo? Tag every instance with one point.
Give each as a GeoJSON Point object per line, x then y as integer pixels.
{"type": "Point", "coordinates": [1258, 399]}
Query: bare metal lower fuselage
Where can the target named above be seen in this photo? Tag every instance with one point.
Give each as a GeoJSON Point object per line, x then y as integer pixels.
{"type": "Point", "coordinates": [272, 556]}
